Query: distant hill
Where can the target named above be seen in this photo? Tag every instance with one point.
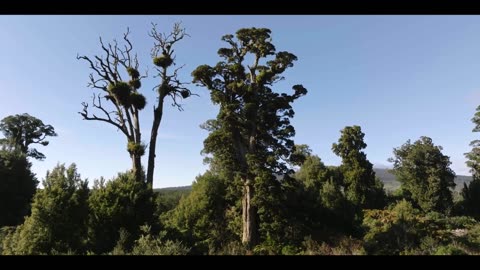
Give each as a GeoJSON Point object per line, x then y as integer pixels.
{"type": "Point", "coordinates": [391, 182]}
{"type": "Point", "coordinates": [170, 189]}
{"type": "Point", "coordinates": [388, 179]}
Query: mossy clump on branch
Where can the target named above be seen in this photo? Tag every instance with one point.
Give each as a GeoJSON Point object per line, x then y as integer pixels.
{"type": "Point", "coordinates": [165, 89]}
{"type": "Point", "coordinates": [109, 97]}
{"type": "Point", "coordinates": [138, 100]}
{"type": "Point", "coordinates": [133, 73]}
{"type": "Point", "coordinates": [122, 91]}
{"type": "Point", "coordinates": [163, 61]}
{"type": "Point", "coordinates": [136, 148]}
{"type": "Point", "coordinates": [135, 83]}
{"type": "Point", "coordinates": [185, 93]}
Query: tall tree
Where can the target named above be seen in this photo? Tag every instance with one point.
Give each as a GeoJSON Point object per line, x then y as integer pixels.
{"type": "Point", "coordinates": [251, 135]}
{"type": "Point", "coordinates": [425, 174]}
{"type": "Point", "coordinates": [362, 188]}
{"type": "Point", "coordinates": [17, 187]}
{"type": "Point", "coordinates": [116, 75]}
{"type": "Point", "coordinates": [471, 192]}
{"type": "Point", "coordinates": [201, 217]}
{"type": "Point", "coordinates": [170, 85]}
{"type": "Point", "coordinates": [23, 130]}
{"type": "Point", "coordinates": [300, 154]}
{"type": "Point", "coordinates": [313, 172]}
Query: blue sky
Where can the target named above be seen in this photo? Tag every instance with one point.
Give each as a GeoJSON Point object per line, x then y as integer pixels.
{"type": "Point", "coordinates": [398, 77]}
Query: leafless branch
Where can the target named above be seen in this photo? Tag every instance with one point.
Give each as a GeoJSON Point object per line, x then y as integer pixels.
{"type": "Point", "coordinates": [163, 42]}
{"type": "Point", "coordinates": [106, 71]}
{"type": "Point", "coordinates": [107, 118]}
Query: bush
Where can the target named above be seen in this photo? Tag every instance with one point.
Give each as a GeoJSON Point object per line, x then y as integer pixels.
{"type": "Point", "coordinates": [58, 220]}
{"type": "Point", "coordinates": [450, 250]}
{"type": "Point", "coordinates": [392, 231]}
{"type": "Point", "coordinates": [17, 187]}
{"type": "Point", "coordinates": [344, 246]}
{"type": "Point", "coordinates": [120, 203]}
{"type": "Point", "coordinates": [148, 244]}
{"type": "Point", "coordinates": [199, 217]}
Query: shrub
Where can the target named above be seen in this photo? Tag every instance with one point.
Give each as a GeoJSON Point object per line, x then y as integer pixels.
{"type": "Point", "coordinates": [120, 203]}
{"type": "Point", "coordinates": [58, 220]}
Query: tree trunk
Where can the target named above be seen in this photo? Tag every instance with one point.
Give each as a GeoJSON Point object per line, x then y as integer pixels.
{"type": "Point", "coordinates": [249, 218]}
{"type": "Point", "coordinates": [137, 167]}
{"type": "Point", "coordinates": [157, 118]}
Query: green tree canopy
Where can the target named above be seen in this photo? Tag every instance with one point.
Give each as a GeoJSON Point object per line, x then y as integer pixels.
{"type": "Point", "coordinates": [313, 173]}
{"type": "Point", "coordinates": [17, 187]}
{"type": "Point", "coordinates": [59, 216]}
{"type": "Point", "coordinates": [201, 216]}
{"type": "Point", "coordinates": [23, 130]}
{"type": "Point", "coordinates": [425, 174]}
{"type": "Point", "coordinates": [471, 192]}
{"type": "Point", "coordinates": [120, 203]}
{"type": "Point", "coordinates": [252, 134]}
{"type": "Point", "coordinates": [362, 188]}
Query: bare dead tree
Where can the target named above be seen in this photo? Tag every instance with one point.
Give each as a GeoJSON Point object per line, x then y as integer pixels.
{"type": "Point", "coordinates": [123, 101]}
{"type": "Point", "coordinates": [122, 96]}
{"type": "Point", "coordinates": [169, 86]}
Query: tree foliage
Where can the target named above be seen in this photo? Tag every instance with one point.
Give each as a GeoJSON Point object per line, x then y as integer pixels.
{"type": "Point", "coordinates": [404, 230]}
{"type": "Point", "coordinates": [58, 219]}
{"type": "Point", "coordinates": [313, 173]}
{"type": "Point", "coordinates": [22, 130]}
{"type": "Point", "coordinates": [300, 153]}
{"type": "Point", "coordinates": [201, 217]}
{"type": "Point", "coordinates": [120, 203]}
{"type": "Point", "coordinates": [17, 187]}
{"type": "Point", "coordinates": [392, 231]}
{"type": "Point", "coordinates": [251, 135]}
{"type": "Point", "coordinates": [149, 244]}
{"type": "Point", "coordinates": [425, 174]}
{"type": "Point", "coordinates": [471, 192]}
{"type": "Point", "coordinates": [321, 201]}
{"type": "Point", "coordinates": [361, 186]}
{"type": "Point", "coordinates": [116, 75]}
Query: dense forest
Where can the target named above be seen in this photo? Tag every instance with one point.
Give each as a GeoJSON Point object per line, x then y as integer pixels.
{"type": "Point", "coordinates": [263, 194]}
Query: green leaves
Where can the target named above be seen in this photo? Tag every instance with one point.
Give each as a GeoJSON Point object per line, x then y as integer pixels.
{"type": "Point", "coordinates": [471, 193]}
{"type": "Point", "coordinates": [122, 91]}
{"type": "Point", "coordinates": [361, 187]}
{"type": "Point", "coordinates": [138, 100]}
{"type": "Point", "coordinates": [136, 148]}
{"type": "Point", "coordinates": [132, 72]}
{"type": "Point", "coordinates": [122, 202]}
{"type": "Point", "coordinates": [256, 41]}
{"type": "Point", "coordinates": [17, 187]}
{"type": "Point", "coordinates": [425, 173]}
{"type": "Point", "coordinates": [163, 61]}
{"type": "Point", "coordinates": [200, 217]}
{"type": "Point", "coordinates": [476, 120]}
{"type": "Point", "coordinates": [21, 131]}
{"type": "Point", "coordinates": [252, 135]}
{"type": "Point", "coordinates": [59, 215]}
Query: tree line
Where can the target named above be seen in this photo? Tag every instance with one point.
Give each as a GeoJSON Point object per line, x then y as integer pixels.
{"type": "Point", "coordinates": [262, 193]}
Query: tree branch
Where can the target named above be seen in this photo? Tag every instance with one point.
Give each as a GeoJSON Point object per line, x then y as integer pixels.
{"type": "Point", "coordinates": [107, 119]}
